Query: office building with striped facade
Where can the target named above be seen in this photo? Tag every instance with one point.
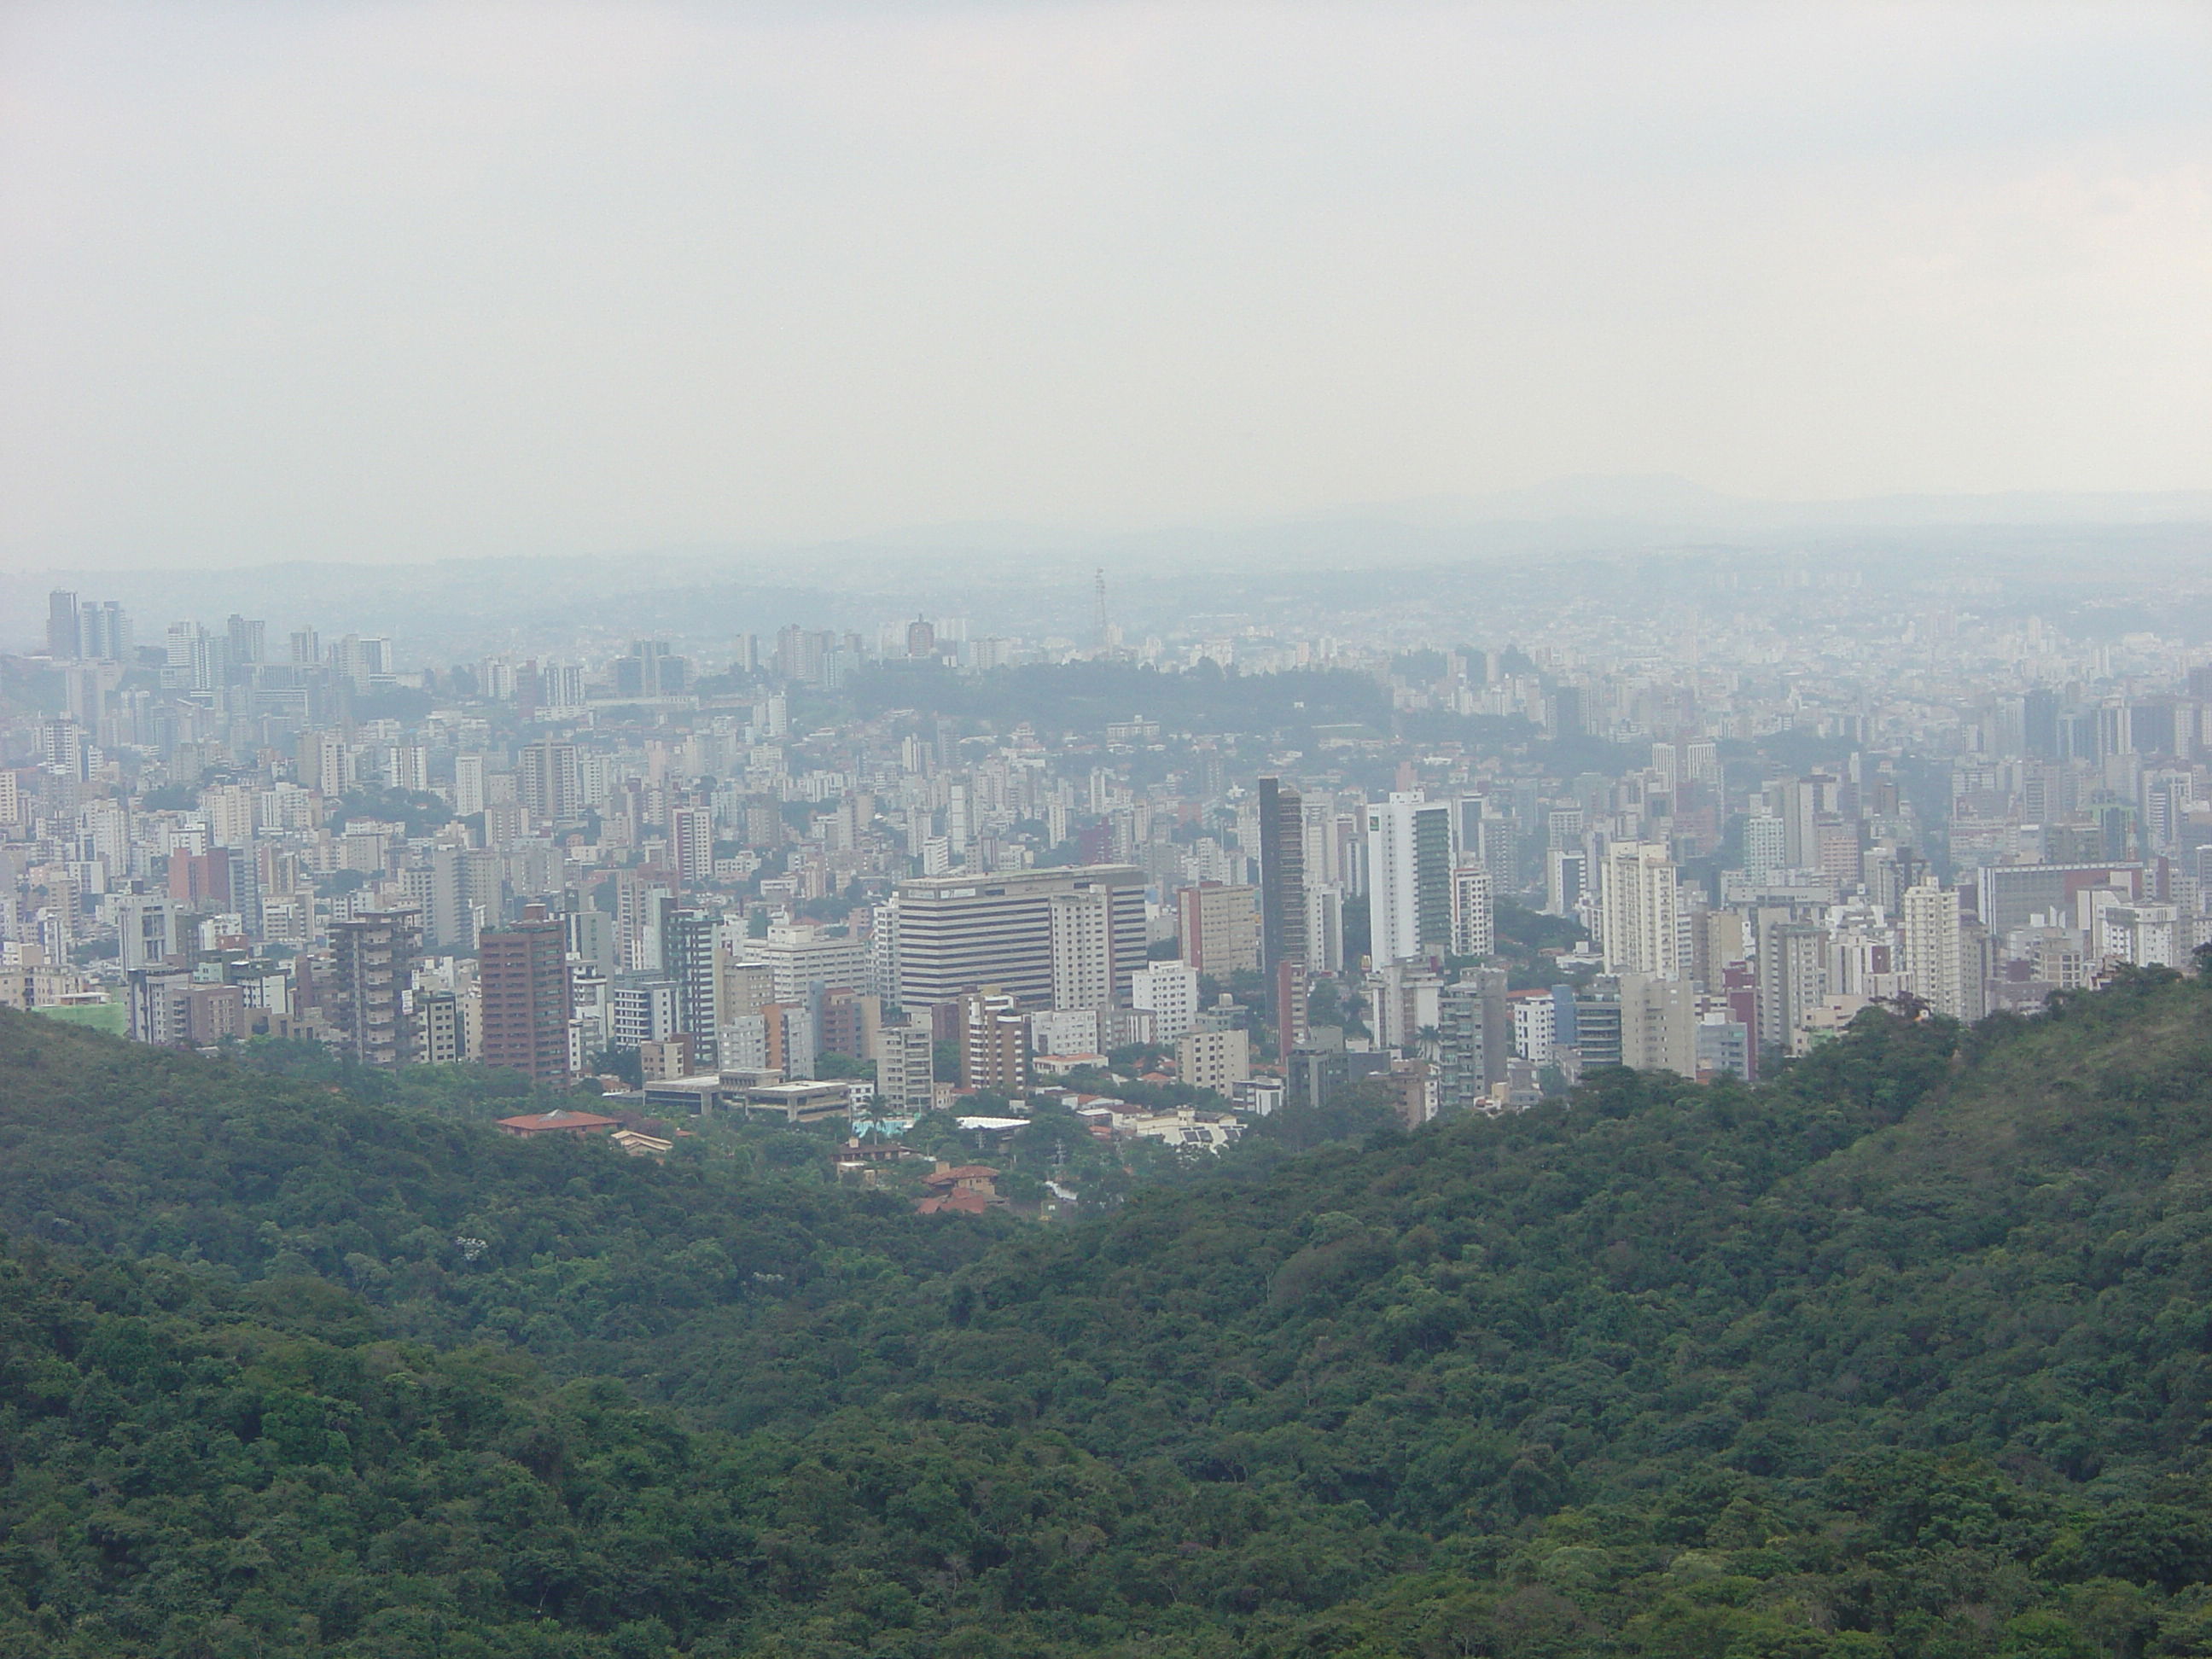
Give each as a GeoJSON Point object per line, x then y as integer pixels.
{"type": "Point", "coordinates": [957, 934]}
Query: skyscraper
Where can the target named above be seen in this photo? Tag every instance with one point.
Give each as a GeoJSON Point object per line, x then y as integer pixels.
{"type": "Point", "coordinates": [1792, 978]}
{"type": "Point", "coordinates": [1933, 961]}
{"type": "Point", "coordinates": [1282, 874]}
{"type": "Point", "coordinates": [994, 1042]}
{"type": "Point", "coordinates": [376, 961]}
{"type": "Point", "coordinates": [1409, 878]}
{"type": "Point", "coordinates": [1638, 907]}
{"type": "Point", "coordinates": [547, 782]}
{"type": "Point", "coordinates": [691, 842]}
{"type": "Point", "coordinates": [904, 1079]}
{"type": "Point", "coordinates": [523, 972]}
{"type": "Point", "coordinates": [64, 640]}
{"type": "Point", "coordinates": [689, 941]}
{"type": "Point", "coordinates": [1083, 948]}
{"type": "Point", "coordinates": [1765, 846]}
{"type": "Point", "coordinates": [1475, 1040]}
{"type": "Point", "coordinates": [1473, 921]}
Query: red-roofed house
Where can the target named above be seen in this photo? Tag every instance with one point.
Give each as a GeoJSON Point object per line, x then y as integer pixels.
{"type": "Point", "coordinates": [960, 1188]}
{"type": "Point", "coordinates": [954, 1203]}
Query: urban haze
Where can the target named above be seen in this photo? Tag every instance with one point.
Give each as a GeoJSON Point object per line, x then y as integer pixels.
{"type": "Point", "coordinates": [880, 831]}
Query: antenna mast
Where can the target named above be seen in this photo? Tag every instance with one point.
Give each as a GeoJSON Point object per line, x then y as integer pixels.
{"type": "Point", "coordinates": [1105, 640]}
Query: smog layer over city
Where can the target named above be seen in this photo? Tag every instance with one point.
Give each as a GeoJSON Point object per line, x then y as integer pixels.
{"type": "Point", "coordinates": [1234, 831]}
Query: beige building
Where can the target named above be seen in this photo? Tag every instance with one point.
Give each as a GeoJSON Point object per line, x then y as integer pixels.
{"type": "Point", "coordinates": [1658, 1024]}
{"type": "Point", "coordinates": [1219, 1060]}
{"type": "Point", "coordinates": [1218, 925]}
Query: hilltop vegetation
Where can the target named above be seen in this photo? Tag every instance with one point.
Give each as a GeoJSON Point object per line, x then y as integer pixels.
{"type": "Point", "coordinates": [1907, 1351]}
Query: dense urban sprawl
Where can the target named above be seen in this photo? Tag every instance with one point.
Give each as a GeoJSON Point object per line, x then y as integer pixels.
{"type": "Point", "coordinates": [1169, 884]}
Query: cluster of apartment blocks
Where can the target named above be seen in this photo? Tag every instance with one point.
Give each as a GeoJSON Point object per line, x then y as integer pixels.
{"type": "Point", "coordinates": [2072, 836]}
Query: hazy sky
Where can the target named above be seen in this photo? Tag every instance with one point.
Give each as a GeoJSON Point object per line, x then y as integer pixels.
{"type": "Point", "coordinates": [330, 279]}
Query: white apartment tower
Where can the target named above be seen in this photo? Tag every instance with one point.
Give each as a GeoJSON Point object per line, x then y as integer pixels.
{"type": "Point", "coordinates": [1934, 958]}
{"type": "Point", "coordinates": [1638, 907]}
{"type": "Point", "coordinates": [1409, 877]}
{"type": "Point", "coordinates": [1168, 990]}
{"type": "Point", "coordinates": [1083, 948]}
{"type": "Point", "coordinates": [1473, 923]}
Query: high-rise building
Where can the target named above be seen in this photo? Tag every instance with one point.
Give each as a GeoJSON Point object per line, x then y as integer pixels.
{"type": "Point", "coordinates": [1566, 880]}
{"type": "Point", "coordinates": [1793, 964]}
{"type": "Point", "coordinates": [905, 1059]}
{"type": "Point", "coordinates": [64, 642]}
{"type": "Point", "coordinates": [1535, 1025]}
{"type": "Point", "coordinates": [1324, 929]}
{"type": "Point", "coordinates": [1597, 1025]}
{"type": "Point", "coordinates": [104, 632]}
{"type": "Point", "coordinates": [1083, 948]}
{"type": "Point", "coordinates": [960, 931]}
{"type": "Point", "coordinates": [1464, 1060]}
{"type": "Point", "coordinates": [146, 930]}
{"type": "Point", "coordinates": [799, 959]}
{"type": "Point", "coordinates": [994, 1042]}
{"type": "Point", "coordinates": [2008, 895]}
{"type": "Point", "coordinates": [1409, 878]}
{"type": "Point", "coordinates": [1765, 846]}
{"type": "Point", "coordinates": [1933, 963]}
{"type": "Point", "coordinates": [1639, 909]}
{"type": "Point", "coordinates": [1658, 1024]}
{"type": "Point", "coordinates": [1474, 918]}
{"type": "Point", "coordinates": [248, 642]}
{"type": "Point", "coordinates": [547, 782]}
{"type": "Point", "coordinates": [1169, 991]}
{"type": "Point", "coordinates": [523, 971]}
{"type": "Point", "coordinates": [374, 962]}
{"type": "Point", "coordinates": [794, 1039]}
{"type": "Point", "coordinates": [1293, 983]}
{"type": "Point", "coordinates": [469, 795]}
{"type": "Point", "coordinates": [1496, 848]}
{"type": "Point", "coordinates": [563, 689]}
{"type": "Point", "coordinates": [1219, 1060]}
{"type": "Point", "coordinates": [1218, 924]}
{"type": "Point", "coordinates": [691, 843]}
{"type": "Point", "coordinates": [644, 1010]}
{"type": "Point", "coordinates": [690, 942]}
{"type": "Point", "coordinates": [1282, 874]}
{"type": "Point", "coordinates": [439, 1027]}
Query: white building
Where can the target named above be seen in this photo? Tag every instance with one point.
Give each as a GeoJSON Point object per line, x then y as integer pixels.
{"type": "Point", "coordinates": [1933, 967]}
{"type": "Point", "coordinates": [1765, 846]}
{"type": "Point", "coordinates": [1082, 950]}
{"type": "Point", "coordinates": [1064, 1031]}
{"type": "Point", "coordinates": [1535, 1026]}
{"type": "Point", "coordinates": [1409, 877]}
{"type": "Point", "coordinates": [1474, 922]}
{"type": "Point", "coordinates": [1639, 911]}
{"type": "Point", "coordinates": [1169, 992]}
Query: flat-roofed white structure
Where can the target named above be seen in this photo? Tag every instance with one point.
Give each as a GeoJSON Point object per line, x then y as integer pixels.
{"type": "Point", "coordinates": [959, 932]}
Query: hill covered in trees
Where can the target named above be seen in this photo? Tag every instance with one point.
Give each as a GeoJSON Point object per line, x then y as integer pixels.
{"type": "Point", "coordinates": [1907, 1351]}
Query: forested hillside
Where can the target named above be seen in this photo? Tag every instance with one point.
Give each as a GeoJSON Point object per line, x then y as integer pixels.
{"type": "Point", "coordinates": [1907, 1351]}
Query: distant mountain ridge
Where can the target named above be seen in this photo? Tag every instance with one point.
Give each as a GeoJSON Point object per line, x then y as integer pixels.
{"type": "Point", "coordinates": [1668, 498]}
{"type": "Point", "coordinates": [959, 568]}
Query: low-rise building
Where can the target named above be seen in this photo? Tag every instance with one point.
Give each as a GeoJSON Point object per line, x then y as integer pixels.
{"type": "Point", "coordinates": [578, 1124]}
